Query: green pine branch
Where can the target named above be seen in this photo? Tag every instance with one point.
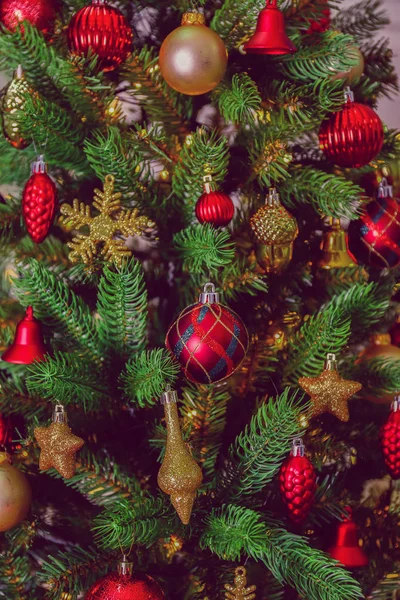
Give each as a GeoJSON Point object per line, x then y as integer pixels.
{"type": "Point", "coordinates": [234, 531]}
{"type": "Point", "coordinates": [361, 20]}
{"type": "Point", "coordinates": [15, 574]}
{"type": "Point", "coordinates": [15, 400]}
{"type": "Point", "coordinates": [146, 376]}
{"type": "Point", "coordinates": [122, 310]}
{"type": "Point", "coordinates": [203, 249]}
{"type": "Point", "coordinates": [379, 375]}
{"type": "Point", "coordinates": [268, 152]}
{"type": "Point", "coordinates": [239, 100]}
{"type": "Point", "coordinates": [15, 166]}
{"type": "Point", "coordinates": [235, 22]}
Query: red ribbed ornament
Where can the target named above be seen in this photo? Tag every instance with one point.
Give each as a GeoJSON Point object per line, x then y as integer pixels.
{"type": "Point", "coordinates": [390, 440]}
{"type": "Point", "coordinates": [124, 585]}
{"type": "Point", "coordinates": [40, 13]}
{"type": "Point", "coordinates": [353, 136]}
{"type": "Point", "coordinates": [39, 202]}
{"type": "Point", "coordinates": [103, 30]}
{"type": "Point", "coordinates": [297, 483]}
{"type": "Point", "coordinates": [214, 207]}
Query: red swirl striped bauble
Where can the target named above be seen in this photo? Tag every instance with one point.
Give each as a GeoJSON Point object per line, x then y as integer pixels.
{"type": "Point", "coordinates": [103, 30]}
{"type": "Point", "coordinates": [353, 136]}
{"type": "Point", "coordinates": [390, 440]}
{"type": "Point", "coordinates": [215, 208]}
{"type": "Point", "coordinates": [208, 339]}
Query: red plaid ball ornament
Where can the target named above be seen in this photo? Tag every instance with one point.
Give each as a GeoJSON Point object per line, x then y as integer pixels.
{"type": "Point", "coordinates": [297, 483]}
{"type": "Point", "coordinates": [208, 339]}
{"type": "Point", "coordinates": [390, 440]}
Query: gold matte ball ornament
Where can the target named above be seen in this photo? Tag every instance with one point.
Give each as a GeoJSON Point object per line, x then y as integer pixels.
{"type": "Point", "coordinates": [15, 494]}
{"type": "Point", "coordinates": [193, 57]}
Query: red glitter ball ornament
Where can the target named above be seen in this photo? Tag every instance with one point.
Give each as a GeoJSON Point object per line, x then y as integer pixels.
{"type": "Point", "coordinates": [39, 202]}
{"type": "Point", "coordinates": [208, 339]}
{"type": "Point", "coordinates": [124, 585]}
{"type": "Point", "coordinates": [214, 207]}
{"type": "Point", "coordinates": [353, 136]}
{"type": "Point", "coordinates": [40, 13]}
{"type": "Point", "coordinates": [297, 483]}
{"type": "Point", "coordinates": [103, 30]}
{"type": "Point", "coordinates": [390, 440]}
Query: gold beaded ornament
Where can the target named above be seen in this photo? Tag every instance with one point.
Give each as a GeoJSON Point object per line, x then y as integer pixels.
{"type": "Point", "coordinates": [240, 591]}
{"type": "Point", "coordinates": [12, 106]}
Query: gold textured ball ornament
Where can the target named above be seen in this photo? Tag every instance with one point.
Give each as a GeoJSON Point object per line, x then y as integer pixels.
{"type": "Point", "coordinates": [12, 105]}
{"type": "Point", "coordinates": [15, 494]}
{"type": "Point", "coordinates": [193, 57]}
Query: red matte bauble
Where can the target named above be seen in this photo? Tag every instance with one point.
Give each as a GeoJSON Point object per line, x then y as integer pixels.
{"type": "Point", "coordinates": [116, 586]}
{"type": "Point", "coordinates": [208, 339]}
{"type": "Point", "coordinates": [39, 200]}
{"type": "Point", "coordinates": [215, 208]}
{"type": "Point", "coordinates": [270, 35]}
{"type": "Point", "coordinates": [40, 13]}
{"type": "Point", "coordinates": [390, 440]}
{"type": "Point", "coordinates": [353, 136]}
{"type": "Point", "coordinates": [347, 549]}
{"type": "Point", "coordinates": [28, 344]}
{"type": "Point", "coordinates": [297, 484]}
{"type": "Point", "coordinates": [102, 30]}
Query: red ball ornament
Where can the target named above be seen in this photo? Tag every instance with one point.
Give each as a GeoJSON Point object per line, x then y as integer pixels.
{"type": "Point", "coordinates": [214, 207]}
{"type": "Point", "coordinates": [40, 13]}
{"type": "Point", "coordinates": [39, 202]}
{"type": "Point", "coordinates": [208, 339]}
{"type": "Point", "coordinates": [353, 136]}
{"type": "Point", "coordinates": [390, 440]}
{"type": "Point", "coordinates": [103, 30]}
{"type": "Point", "coordinates": [374, 238]}
{"type": "Point", "coordinates": [124, 585]}
{"type": "Point", "coordinates": [297, 483]}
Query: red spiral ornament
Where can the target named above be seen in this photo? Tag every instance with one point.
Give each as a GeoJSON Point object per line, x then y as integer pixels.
{"type": "Point", "coordinates": [390, 440]}
{"type": "Point", "coordinates": [103, 30]}
{"type": "Point", "coordinates": [39, 202]}
{"type": "Point", "coordinates": [208, 339]}
{"type": "Point", "coordinates": [125, 585]}
{"type": "Point", "coordinates": [297, 483]}
{"type": "Point", "coordinates": [40, 13]}
{"type": "Point", "coordinates": [353, 136]}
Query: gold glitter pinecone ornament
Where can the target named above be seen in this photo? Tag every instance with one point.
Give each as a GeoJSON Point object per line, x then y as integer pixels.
{"type": "Point", "coordinates": [15, 494]}
{"type": "Point", "coordinates": [58, 445]}
{"type": "Point", "coordinates": [275, 230]}
{"type": "Point", "coordinates": [179, 476]}
{"type": "Point", "coordinates": [12, 106]}
{"type": "Point", "coordinates": [240, 591]}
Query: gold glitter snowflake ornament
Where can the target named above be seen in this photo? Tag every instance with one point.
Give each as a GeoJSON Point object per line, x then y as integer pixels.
{"type": "Point", "coordinates": [239, 591]}
{"type": "Point", "coordinates": [103, 228]}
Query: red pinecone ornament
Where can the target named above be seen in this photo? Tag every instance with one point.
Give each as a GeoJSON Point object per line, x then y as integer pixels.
{"type": "Point", "coordinates": [353, 136]}
{"type": "Point", "coordinates": [125, 586]}
{"type": "Point", "coordinates": [39, 202]}
{"type": "Point", "coordinates": [208, 339]}
{"type": "Point", "coordinates": [103, 30]}
{"type": "Point", "coordinates": [40, 13]}
{"type": "Point", "coordinates": [214, 207]}
{"type": "Point", "coordinates": [297, 483]}
{"type": "Point", "coordinates": [390, 440]}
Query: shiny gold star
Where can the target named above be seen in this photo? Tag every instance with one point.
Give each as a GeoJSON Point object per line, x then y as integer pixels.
{"type": "Point", "coordinates": [58, 447]}
{"type": "Point", "coordinates": [330, 393]}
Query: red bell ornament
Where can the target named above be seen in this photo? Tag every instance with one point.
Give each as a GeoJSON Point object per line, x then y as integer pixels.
{"type": "Point", "coordinates": [297, 483]}
{"type": "Point", "coordinates": [208, 339]}
{"type": "Point", "coordinates": [390, 440]}
{"type": "Point", "coordinates": [353, 136]}
{"type": "Point", "coordinates": [347, 549]}
{"type": "Point", "coordinates": [39, 200]}
{"type": "Point", "coordinates": [28, 344]}
{"type": "Point", "coordinates": [102, 30]}
{"type": "Point", "coordinates": [270, 35]}
{"type": "Point", "coordinates": [214, 207]}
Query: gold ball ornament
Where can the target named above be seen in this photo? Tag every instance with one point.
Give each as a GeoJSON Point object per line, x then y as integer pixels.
{"type": "Point", "coordinates": [380, 346]}
{"type": "Point", "coordinates": [15, 494]}
{"type": "Point", "coordinates": [12, 106]}
{"type": "Point", "coordinates": [356, 71]}
{"type": "Point", "coordinates": [193, 57]}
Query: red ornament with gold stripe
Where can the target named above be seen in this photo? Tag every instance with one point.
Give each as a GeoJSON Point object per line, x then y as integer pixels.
{"type": "Point", "coordinates": [208, 339]}
{"type": "Point", "coordinates": [297, 483]}
{"type": "Point", "coordinates": [390, 440]}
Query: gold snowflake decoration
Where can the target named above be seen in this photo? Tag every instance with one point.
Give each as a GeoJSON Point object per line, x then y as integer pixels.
{"type": "Point", "coordinates": [239, 591]}
{"type": "Point", "coordinates": [103, 228]}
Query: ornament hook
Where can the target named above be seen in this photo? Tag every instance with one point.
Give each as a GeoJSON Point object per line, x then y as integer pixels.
{"type": "Point", "coordinates": [331, 362]}
{"type": "Point", "coordinates": [348, 94]}
{"type": "Point", "coordinates": [396, 404]}
{"type": "Point", "coordinates": [298, 447]}
{"type": "Point", "coordinates": [209, 295]}
{"type": "Point", "coordinates": [385, 190]}
{"type": "Point", "coordinates": [170, 396]}
{"type": "Point", "coordinates": [59, 414]}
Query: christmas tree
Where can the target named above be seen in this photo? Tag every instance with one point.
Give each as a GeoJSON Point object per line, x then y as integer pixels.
{"type": "Point", "coordinates": [200, 343]}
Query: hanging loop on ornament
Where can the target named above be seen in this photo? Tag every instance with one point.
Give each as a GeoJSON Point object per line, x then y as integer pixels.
{"type": "Point", "coordinates": [396, 404]}
{"type": "Point", "coordinates": [19, 72]}
{"type": "Point", "coordinates": [348, 94]}
{"type": "Point", "coordinates": [209, 295]}
{"type": "Point", "coordinates": [169, 396]}
{"type": "Point", "coordinates": [59, 414]}
{"type": "Point", "coordinates": [207, 183]}
{"type": "Point", "coordinates": [298, 447]}
{"type": "Point", "coordinates": [125, 567]}
{"type": "Point", "coordinates": [331, 362]}
{"type": "Point", "coordinates": [39, 165]}
{"type": "Point", "coordinates": [273, 197]}
{"type": "Point", "coordinates": [385, 190]}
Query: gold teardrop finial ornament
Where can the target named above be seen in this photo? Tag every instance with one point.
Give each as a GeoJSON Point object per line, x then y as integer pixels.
{"type": "Point", "coordinates": [179, 476]}
{"type": "Point", "coordinates": [240, 591]}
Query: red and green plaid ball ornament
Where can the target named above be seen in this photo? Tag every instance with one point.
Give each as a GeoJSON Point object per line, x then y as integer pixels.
{"type": "Point", "coordinates": [208, 339]}
{"type": "Point", "coordinates": [297, 483]}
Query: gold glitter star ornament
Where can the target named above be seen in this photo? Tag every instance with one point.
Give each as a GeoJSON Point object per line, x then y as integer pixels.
{"type": "Point", "coordinates": [329, 392]}
{"type": "Point", "coordinates": [103, 228]}
{"type": "Point", "coordinates": [240, 591]}
{"type": "Point", "coordinates": [58, 445]}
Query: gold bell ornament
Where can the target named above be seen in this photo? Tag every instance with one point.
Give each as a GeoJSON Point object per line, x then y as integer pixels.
{"type": "Point", "coordinates": [335, 248]}
{"type": "Point", "coordinates": [275, 229]}
{"type": "Point", "coordinates": [13, 105]}
{"type": "Point", "coordinates": [193, 57]}
{"type": "Point", "coordinates": [179, 476]}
